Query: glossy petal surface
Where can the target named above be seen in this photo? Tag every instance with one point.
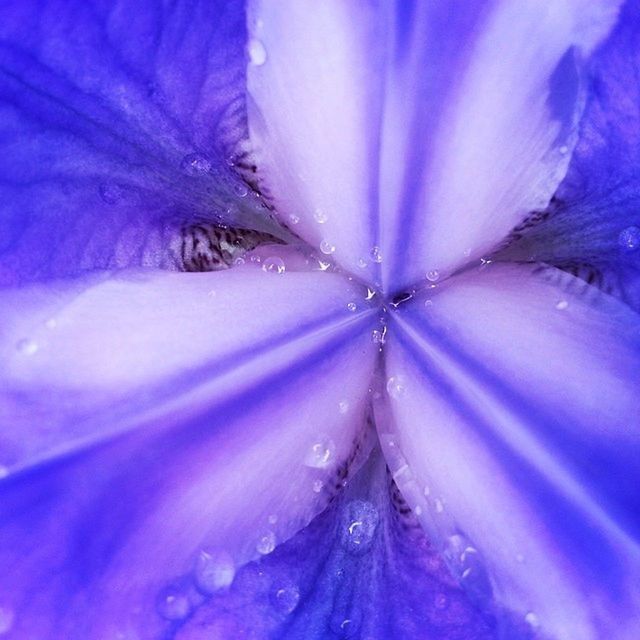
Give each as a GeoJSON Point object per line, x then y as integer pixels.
{"type": "Point", "coordinates": [190, 434]}
{"type": "Point", "coordinates": [512, 399]}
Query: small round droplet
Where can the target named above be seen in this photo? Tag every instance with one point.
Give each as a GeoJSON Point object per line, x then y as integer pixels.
{"type": "Point", "coordinates": [428, 302]}
{"type": "Point", "coordinates": [27, 347]}
{"type": "Point", "coordinates": [377, 337]}
{"type": "Point", "coordinates": [266, 543]}
{"type": "Point", "coordinates": [7, 618]}
{"type": "Point", "coordinates": [376, 254]}
{"type": "Point", "coordinates": [317, 486]}
{"type": "Point", "coordinates": [352, 306]}
{"type": "Point", "coordinates": [360, 522]}
{"type": "Point", "coordinates": [111, 193]}
{"type": "Point", "coordinates": [294, 219]}
{"type": "Point", "coordinates": [362, 263]}
{"type": "Point", "coordinates": [433, 275]}
{"type": "Point", "coordinates": [320, 216]}
{"type": "Point", "coordinates": [439, 505]}
{"type": "Point", "coordinates": [241, 190]}
{"type": "Point", "coordinates": [320, 454]}
{"type": "Point", "coordinates": [257, 52]}
{"type": "Point", "coordinates": [397, 387]}
{"type": "Point", "coordinates": [194, 164]}
{"type": "Point", "coordinates": [564, 149]}
{"type": "Point", "coordinates": [532, 620]}
{"type": "Point", "coordinates": [273, 264]}
{"type": "Point", "coordinates": [214, 570]}
{"type": "Point", "coordinates": [441, 601]}
{"type": "Point", "coordinates": [629, 238]}
{"type": "Point", "coordinates": [562, 305]}
{"type": "Point", "coordinates": [326, 247]}
{"type": "Point", "coordinates": [285, 598]}
{"type": "Point", "coordinates": [173, 603]}
{"type": "Point", "coordinates": [343, 406]}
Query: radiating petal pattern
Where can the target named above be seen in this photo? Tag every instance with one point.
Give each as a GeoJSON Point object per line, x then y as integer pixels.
{"type": "Point", "coordinates": [362, 569]}
{"type": "Point", "coordinates": [512, 411]}
{"type": "Point", "coordinates": [593, 225]}
{"type": "Point", "coordinates": [314, 107]}
{"type": "Point", "coordinates": [113, 116]}
{"type": "Point", "coordinates": [481, 108]}
{"type": "Point", "coordinates": [209, 416]}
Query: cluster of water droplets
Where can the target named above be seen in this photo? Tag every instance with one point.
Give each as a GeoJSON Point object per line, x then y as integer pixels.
{"type": "Point", "coordinates": [629, 238]}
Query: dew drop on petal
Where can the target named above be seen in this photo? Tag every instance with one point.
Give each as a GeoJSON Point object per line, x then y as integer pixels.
{"type": "Point", "coordinates": [173, 603]}
{"type": "Point", "coordinates": [433, 275]}
{"type": "Point", "coordinates": [352, 306]}
{"type": "Point", "coordinates": [532, 620]}
{"type": "Point", "coordinates": [266, 543]}
{"type": "Point", "coordinates": [320, 454]}
{"type": "Point", "coordinates": [396, 387]}
{"type": "Point", "coordinates": [376, 254]}
{"type": "Point", "coordinates": [214, 570]}
{"type": "Point", "coordinates": [27, 347]}
{"type": "Point", "coordinates": [378, 337]}
{"type": "Point", "coordinates": [273, 518]}
{"type": "Point", "coordinates": [562, 305]}
{"type": "Point", "coordinates": [195, 164]}
{"type": "Point", "coordinates": [359, 526]}
{"type": "Point", "coordinates": [629, 238]}
{"type": "Point", "coordinates": [294, 219]}
{"type": "Point", "coordinates": [317, 486]}
{"type": "Point", "coordinates": [343, 406]}
{"type": "Point", "coordinates": [273, 264]}
{"type": "Point", "coordinates": [6, 620]}
{"type": "Point", "coordinates": [257, 52]}
{"type": "Point", "coordinates": [285, 598]}
{"type": "Point", "coordinates": [241, 190]}
{"type": "Point", "coordinates": [362, 263]}
{"type": "Point", "coordinates": [320, 216]}
{"type": "Point", "coordinates": [326, 247]}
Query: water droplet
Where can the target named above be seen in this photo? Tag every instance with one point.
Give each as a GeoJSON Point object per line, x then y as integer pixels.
{"type": "Point", "coordinates": [323, 266]}
{"type": "Point", "coordinates": [286, 598]}
{"type": "Point", "coordinates": [360, 522]}
{"type": "Point", "coordinates": [532, 620]}
{"type": "Point", "coordinates": [352, 306]}
{"type": "Point", "coordinates": [439, 506]}
{"type": "Point", "coordinates": [441, 601]}
{"type": "Point", "coordinates": [111, 193]}
{"type": "Point", "coordinates": [428, 302]}
{"type": "Point", "coordinates": [257, 52]}
{"type": "Point", "coordinates": [239, 261]}
{"type": "Point", "coordinates": [418, 510]}
{"type": "Point", "coordinates": [629, 238]}
{"type": "Point", "coordinates": [378, 337]}
{"type": "Point", "coordinates": [173, 603]}
{"type": "Point", "coordinates": [317, 486]}
{"type": "Point", "coordinates": [427, 491]}
{"type": "Point", "coordinates": [376, 254]}
{"type": "Point", "coordinates": [397, 387]}
{"type": "Point", "coordinates": [343, 406]}
{"type": "Point", "coordinates": [214, 570]}
{"type": "Point", "coordinates": [362, 263]}
{"type": "Point", "coordinates": [266, 543]}
{"type": "Point", "coordinates": [194, 164]}
{"type": "Point", "coordinates": [320, 216]}
{"type": "Point", "coordinates": [320, 454]}
{"type": "Point", "coordinates": [564, 149]}
{"type": "Point", "coordinates": [7, 618]}
{"type": "Point", "coordinates": [273, 264]}
{"type": "Point", "coordinates": [433, 275]}
{"type": "Point", "coordinates": [240, 190]}
{"type": "Point", "coordinates": [294, 219]}
{"type": "Point", "coordinates": [27, 347]}
{"type": "Point", "coordinates": [371, 294]}
{"type": "Point", "coordinates": [345, 626]}
{"type": "Point", "coordinates": [562, 304]}
{"type": "Point", "coordinates": [326, 247]}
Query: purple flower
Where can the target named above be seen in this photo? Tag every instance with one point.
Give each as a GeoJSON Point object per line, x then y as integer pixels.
{"type": "Point", "coordinates": [319, 319]}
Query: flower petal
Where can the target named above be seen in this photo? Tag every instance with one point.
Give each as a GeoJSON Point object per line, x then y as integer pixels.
{"type": "Point", "coordinates": [592, 227]}
{"type": "Point", "coordinates": [361, 569]}
{"type": "Point", "coordinates": [314, 107]}
{"type": "Point", "coordinates": [512, 398]}
{"type": "Point", "coordinates": [112, 116]}
{"type": "Point", "coordinates": [194, 427]}
{"type": "Point", "coordinates": [481, 107]}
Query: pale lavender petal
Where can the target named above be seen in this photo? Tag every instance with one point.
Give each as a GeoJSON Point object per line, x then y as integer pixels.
{"type": "Point", "coordinates": [481, 108]}
{"type": "Point", "coordinates": [164, 415]}
{"type": "Point", "coordinates": [512, 412]}
{"type": "Point", "coordinates": [314, 108]}
{"type": "Point", "coordinates": [361, 569]}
